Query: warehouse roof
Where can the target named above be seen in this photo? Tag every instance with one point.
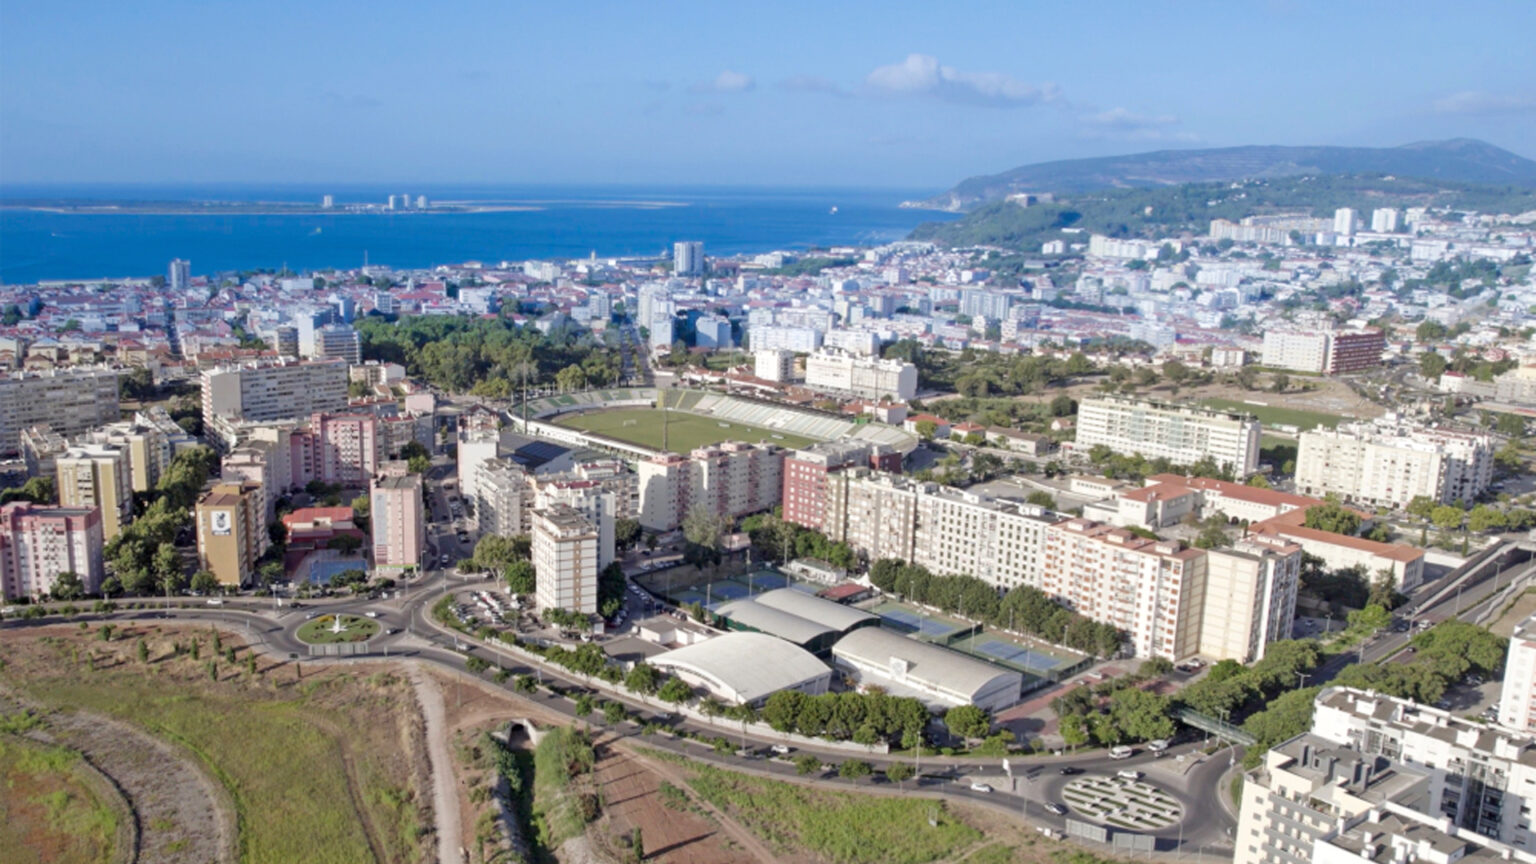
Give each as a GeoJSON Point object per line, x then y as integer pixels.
{"type": "Point", "coordinates": [824, 612]}
{"type": "Point", "coordinates": [935, 666]}
{"type": "Point", "coordinates": [775, 622]}
{"type": "Point", "coordinates": [745, 667]}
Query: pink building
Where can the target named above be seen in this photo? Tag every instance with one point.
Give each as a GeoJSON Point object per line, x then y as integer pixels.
{"type": "Point", "coordinates": [399, 523]}
{"type": "Point", "coordinates": [39, 542]}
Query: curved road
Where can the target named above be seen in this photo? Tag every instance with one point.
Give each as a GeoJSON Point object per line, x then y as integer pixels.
{"type": "Point", "coordinates": [1199, 784]}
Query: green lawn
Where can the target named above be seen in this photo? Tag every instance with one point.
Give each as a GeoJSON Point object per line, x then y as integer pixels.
{"type": "Point", "coordinates": [1277, 415]}
{"type": "Point", "coordinates": [836, 826]}
{"type": "Point", "coordinates": [355, 629]}
{"type": "Point", "coordinates": [684, 431]}
{"type": "Point", "coordinates": [48, 809]}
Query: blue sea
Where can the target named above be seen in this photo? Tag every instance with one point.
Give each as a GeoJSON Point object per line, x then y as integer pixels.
{"type": "Point", "coordinates": [563, 222]}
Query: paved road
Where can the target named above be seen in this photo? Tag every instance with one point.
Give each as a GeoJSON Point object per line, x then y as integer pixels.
{"type": "Point", "coordinates": [1197, 783]}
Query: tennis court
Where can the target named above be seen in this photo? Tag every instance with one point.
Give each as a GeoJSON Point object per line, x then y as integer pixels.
{"type": "Point", "coordinates": [915, 622]}
{"type": "Point", "coordinates": [320, 572]}
{"type": "Point", "coordinates": [683, 585]}
{"type": "Point", "coordinates": [1034, 660]}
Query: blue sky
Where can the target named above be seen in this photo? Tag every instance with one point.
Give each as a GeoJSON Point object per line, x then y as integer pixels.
{"type": "Point", "coordinates": [850, 94]}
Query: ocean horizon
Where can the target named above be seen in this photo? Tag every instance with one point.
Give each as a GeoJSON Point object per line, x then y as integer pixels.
{"type": "Point", "coordinates": [552, 222]}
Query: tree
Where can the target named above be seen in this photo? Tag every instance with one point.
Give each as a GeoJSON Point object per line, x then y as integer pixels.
{"type": "Point", "coordinates": [1041, 498]}
{"type": "Point", "coordinates": [520, 577]}
{"type": "Point", "coordinates": [926, 429]}
{"type": "Point", "coordinates": [675, 691]}
{"type": "Point", "coordinates": [1371, 619]}
{"type": "Point", "coordinates": [38, 490]}
{"type": "Point", "coordinates": [1213, 533]}
{"type": "Point", "coordinates": [898, 772]}
{"type": "Point", "coordinates": [1512, 425]}
{"type": "Point", "coordinates": [853, 769]}
{"type": "Point", "coordinates": [1429, 331]}
{"type": "Point", "coordinates": [1140, 715]}
{"type": "Point", "coordinates": [1247, 377]}
{"type": "Point", "coordinates": [111, 587]}
{"type": "Point", "coordinates": [1074, 731]}
{"type": "Point", "coordinates": [1332, 517]}
{"type": "Point", "coordinates": [346, 544]}
{"type": "Point", "coordinates": [1447, 518]}
{"type": "Point", "coordinates": [1176, 371]}
{"type": "Point", "coordinates": [1484, 518]}
{"type": "Point", "coordinates": [1431, 365]}
{"type": "Point", "coordinates": [968, 722]}
{"type": "Point", "coordinates": [1421, 506]}
{"type": "Point", "coordinates": [805, 764]}
{"type": "Point", "coordinates": [167, 567]}
{"type": "Point", "coordinates": [68, 586]}
{"type": "Point", "coordinates": [204, 582]}
{"type": "Point", "coordinates": [642, 679]}
{"type": "Point", "coordinates": [626, 532]}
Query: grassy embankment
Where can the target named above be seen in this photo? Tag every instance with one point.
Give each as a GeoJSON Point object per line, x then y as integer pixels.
{"type": "Point", "coordinates": [316, 766]}
{"type": "Point", "coordinates": [50, 808]}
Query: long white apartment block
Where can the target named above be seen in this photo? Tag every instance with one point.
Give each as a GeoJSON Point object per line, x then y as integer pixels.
{"type": "Point", "coordinates": [1181, 434]}
{"type": "Point", "coordinates": [729, 479]}
{"type": "Point", "coordinates": [1388, 463]}
{"type": "Point", "coordinates": [65, 401]}
{"type": "Point", "coordinates": [866, 377]}
{"type": "Point", "coordinates": [269, 391]}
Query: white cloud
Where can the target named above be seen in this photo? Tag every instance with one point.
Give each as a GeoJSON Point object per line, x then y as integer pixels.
{"type": "Point", "coordinates": [1483, 102]}
{"type": "Point", "coordinates": [924, 75]}
{"type": "Point", "coordinates": [1122, 120]}
{"type": "Point", "coordinates": [727, 81]}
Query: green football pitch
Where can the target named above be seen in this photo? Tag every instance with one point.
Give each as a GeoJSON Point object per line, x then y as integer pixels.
{"type": "Point", "coordinates": [684, 431]}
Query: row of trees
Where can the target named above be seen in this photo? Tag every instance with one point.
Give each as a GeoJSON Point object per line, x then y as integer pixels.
{"type": "Point", "coordinates": [865, 718]}
{"type": "Point", "coordinates": [777, 539]}
{"type": "Point", "coordinates": [1024, 609]}
{"type": "Point", "coordinates": [143, 555]}
{"type": "Point", "coordinates": [1134, 466]}
{"type": "Point", "coordinates": [491, 357]}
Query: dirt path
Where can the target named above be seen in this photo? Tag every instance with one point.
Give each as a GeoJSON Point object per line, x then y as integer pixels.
{"type": "Point", "coordinates": [183, 815]}
{"type": "Point", "coordinates": [445, 801]}
{"type": "Point", "coordinates": [746, 839]}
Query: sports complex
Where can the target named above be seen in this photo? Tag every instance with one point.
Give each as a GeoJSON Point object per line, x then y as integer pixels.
{"type": "Point", "coordinates": [640, 421]}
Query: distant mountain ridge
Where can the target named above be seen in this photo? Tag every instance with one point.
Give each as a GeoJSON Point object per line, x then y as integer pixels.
{"type": "Point", "coordinates": [1464, 160]}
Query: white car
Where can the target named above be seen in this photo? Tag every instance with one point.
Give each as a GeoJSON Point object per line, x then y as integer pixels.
{"type": "Point", "coordinates": [371, 614]}
{"type": "Point", "coordinates": [780, 749]}
{"type": "Point", "coordinates": [1121, 752]}
{"type": "Point", "coordinates": [980, 787]}
{"type": "Point", "coordinates": [1128, 774]}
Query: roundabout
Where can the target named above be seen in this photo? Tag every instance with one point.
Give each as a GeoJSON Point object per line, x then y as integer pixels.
{"type": "Point", "coordinates": [1123, 803]}
{"type": "Point", "coordinates": [332, 629]}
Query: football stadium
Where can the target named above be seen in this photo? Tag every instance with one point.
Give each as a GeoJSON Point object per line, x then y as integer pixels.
{"type": "Point", "coordinates": [633, 422]}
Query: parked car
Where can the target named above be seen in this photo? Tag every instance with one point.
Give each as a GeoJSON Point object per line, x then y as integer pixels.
{"type": "Point", "coordinates": [1128, 774]}
{"type": "Point", "coordinates": [780, 749]}
{"type": "Point", "coordinates": [980, 787]}
{"type": "Point", "coordinates": [1058, 809]}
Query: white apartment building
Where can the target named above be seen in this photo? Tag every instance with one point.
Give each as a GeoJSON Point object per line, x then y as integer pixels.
{"type": "Point", "coordinates": [1346, 221]}
{"type": "Point", "coordinates": [564, 560]}
{"type": "Point", "coordinates": [866, 377]}
{"type": "Point", "coordinates": [1250, 598]}
{"type": "Point", "coordinates": [476, 445]}
{"type": "Point", "coordinates": [1153, 590]}
{"type": "Point", "coordinates": [865, 343]}
{"type": "Point", "coordinates": [1181, 434]}
{"type": "Point", "coordinates": [688, 258]}
{"type": "Point", "coordinates": [66, 401]}
{"type": "Point", "coordinates": [503, 504]}
{"type": "Point", "coordinates": [1297, 351]}
{"type": "Point", "coordinates": [1306, 789]}
{"type": "Point", "coordinates": [340, 342]}
{"type": "Point", "coordinates": [594, 503]}
{"type": "Point", "coordinates": [269, 391]}
{"type": "Point", "coordinates": [1384, 220]}
{"type": "Point", "coordinates": [1517, 697]}
{"type": "Point", "coordinates": [949, 531]}
{"type": "Point", "coordinates": [1388, 463]}
{"type": "Point", "coordinates": [774, 364]}
{"type": "Point", "coordinates": [1481, 778]}
{"type": "Point", "coordinates": [792, 339]}
{"type": "Point", "coordinates": [729, 479]}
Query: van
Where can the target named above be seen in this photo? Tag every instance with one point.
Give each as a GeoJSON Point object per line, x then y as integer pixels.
{"type": "Point", "coordinates": [1128, 774]}
{"type": "Point", "coordinates": [1121, 752]}
{"type": "Point", "coordinates": [1158, 746]}
{"type": "Point", "coordinates": [215, 602]}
